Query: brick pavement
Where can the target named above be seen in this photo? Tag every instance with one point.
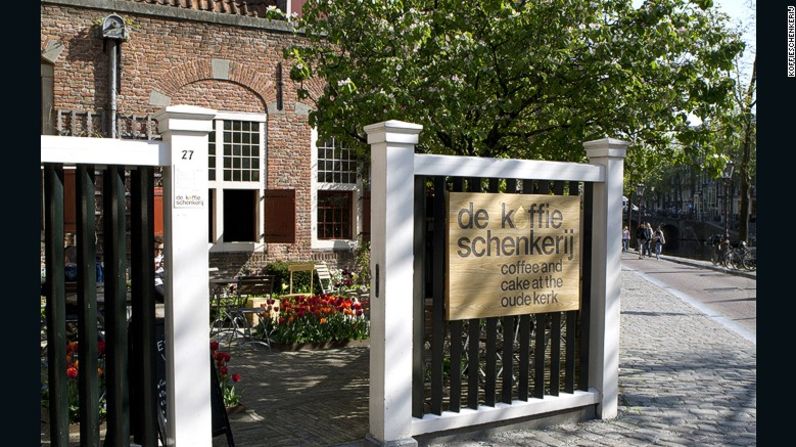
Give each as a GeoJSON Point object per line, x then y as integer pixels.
{"type": "Point", "coordinates": [684, 380]}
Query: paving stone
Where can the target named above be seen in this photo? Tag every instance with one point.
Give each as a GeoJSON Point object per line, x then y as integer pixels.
{"type": "Point", "coordinates": [684, 380]}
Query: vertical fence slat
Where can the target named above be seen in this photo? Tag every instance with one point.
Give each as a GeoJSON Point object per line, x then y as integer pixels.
{"type": "Point", "coordinates": [438, 292]}
{"type": "Point", "coordinates": [569, 366]}
{"type": "Point", "coordinates": [511, 185]}
{"type": "Point", "coordinates": [544, 186]}
{"type": "Point", "coordinates": [572, 316]}
{"type": "Point", "coordinates": [555, 327]}
{"type": "Point", "coordinates": [558, 188]}
{"type": "Point", "coordinates": [87, 305]}
{"type": "Point", "coordinates": [555, 353]}
{"type": "Point", "coordinates": [143, 299]}
{"type": "Point", "coordinates": [525, 339]}
{"type": "Point", "coordinates": [584, 313]}
{"type": "Point", "coordinates": [525, 332]}
{"type": "Point", "coordinates": [456, 341]}
{"type": "Point", "coordinates": [419, 298]}
{"type": "Point", "coordinates": [115, 255]}
{"type": "Point", "coordinates": [491, 337]}
{"type": "Point", "coordinates": [508, 357]}
{"type": "Point", "coordinates": [538, 356]}
{"type": "Point", "coordinates": [473, 335]}
{"type": "Point", "coordinates": [56, 303]}
{"type": "Point", "coordinates": [491, 361]}
{"type": "Point", "coordinates": [508, 333]}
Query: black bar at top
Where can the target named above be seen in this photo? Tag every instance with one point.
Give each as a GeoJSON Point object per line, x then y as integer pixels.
{"type": "Point", "coordinates": [87, 303]}
{"type": "Point", "coordinates": [142, 291]}
{"type": "Point", "coordinates": [473, 335]}
{"type": "Point", "coordinates": [538, 356]}
{"type": "Point", "coordinates": [585, 305]}
{"type": "Point", "coordinates": [419, 296]}
{"type": "Point", "coordinates": [56, 304]}
{"type": "Point", "coordinates": [438, 295]}
{"type": "Point", "coordinates": [456, 342]}
{"type": "Point", "coordinates": [555, 352]}
{"type": "Point", "coordinates": [116, 304]}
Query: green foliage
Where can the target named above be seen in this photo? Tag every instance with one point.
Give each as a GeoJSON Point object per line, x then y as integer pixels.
{"type": "Point", "coordinates": [524, 79]}
{"type": "Point", "coordinates": [301, 280]}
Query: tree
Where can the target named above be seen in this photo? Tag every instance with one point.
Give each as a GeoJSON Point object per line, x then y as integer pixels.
{"type": "Point", "coordinates": [528, 79]}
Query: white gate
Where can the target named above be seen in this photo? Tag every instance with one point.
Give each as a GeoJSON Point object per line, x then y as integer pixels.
{"type": "Point", "coordinates": [394, 166]}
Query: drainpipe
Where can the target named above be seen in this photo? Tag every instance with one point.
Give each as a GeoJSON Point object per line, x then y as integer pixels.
{"type": "Point", "coordinates": [114, 32]}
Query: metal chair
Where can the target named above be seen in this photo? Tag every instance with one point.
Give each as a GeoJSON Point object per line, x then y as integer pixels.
{"type": "Point", "coordinates": [249, 287]}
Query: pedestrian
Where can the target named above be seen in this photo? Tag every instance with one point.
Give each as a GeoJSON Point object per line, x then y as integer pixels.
{"type": "Point", "coordinates": [625, 239]}
{"type": "Point", "coordinates": [648, 238]}
{"type": "Point", "coordinates": [160, 270]}
{"type": "Point", "coordinates": [658, 240]}
{"type": "Point", "coordinates": [641, 239]}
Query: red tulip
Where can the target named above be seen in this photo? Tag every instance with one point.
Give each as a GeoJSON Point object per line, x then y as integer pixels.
{"type": "Point", "coordinates": [236, 377]}
{"type": "Point", "coordinates": [71, 372]}
{"type": "Point", "coordinates": [213, 345]}
{"type": "Point", "coordinates": [223, 370]}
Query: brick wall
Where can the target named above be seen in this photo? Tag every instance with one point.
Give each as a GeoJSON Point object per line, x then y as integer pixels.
{"type": "Point", "coordinates": [179, 60]}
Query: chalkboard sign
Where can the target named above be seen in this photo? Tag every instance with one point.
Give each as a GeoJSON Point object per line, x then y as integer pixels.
{"type": "Point", "coordinates": [220, 419]}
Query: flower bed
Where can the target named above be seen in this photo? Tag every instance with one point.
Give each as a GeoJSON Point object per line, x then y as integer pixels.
{"type": "Point", "coordinates": [313, 320]}
{"type": "Point", "coordinates": [225, 379]}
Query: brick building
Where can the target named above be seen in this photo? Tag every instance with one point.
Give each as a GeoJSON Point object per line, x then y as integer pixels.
{"type": "Point", "coordinates": [276, 193]}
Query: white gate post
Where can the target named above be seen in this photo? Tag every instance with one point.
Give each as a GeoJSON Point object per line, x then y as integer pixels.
{"type": "Point", "coordinates": [391, 266]}
{"type": "Point", "coordinates": [605, 278]}
{"type": "Point", "coordinates": [185, 130]}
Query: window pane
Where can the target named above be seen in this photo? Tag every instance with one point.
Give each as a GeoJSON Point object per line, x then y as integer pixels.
{"type": "Point", "coordinates": [255, 176]}
{"type": "Point", "coordinates": [236, 137]}
{"type": "Point", "coordinates": [246, 176]}
{"type": "Point", "coordinates": [236, 176]}
{"type": "Point", "coordinates": [227, 125]}
{"type": "Point", "coordinates": [227, 175]}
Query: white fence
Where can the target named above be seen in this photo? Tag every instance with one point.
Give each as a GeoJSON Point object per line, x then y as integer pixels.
{"type": "Point", "coordinates": [183, 155]}
{"type": "Point", "coordinates": [393, 168]}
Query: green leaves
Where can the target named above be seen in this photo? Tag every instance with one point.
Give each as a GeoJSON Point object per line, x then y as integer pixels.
{"type": "Point", "coordinates": [518, 79]}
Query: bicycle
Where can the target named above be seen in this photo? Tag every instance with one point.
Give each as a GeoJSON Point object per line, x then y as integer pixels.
{"type": "Point", "coordinates": [741, 256]}
{"type": "Point", "coordinates": [735, 255]}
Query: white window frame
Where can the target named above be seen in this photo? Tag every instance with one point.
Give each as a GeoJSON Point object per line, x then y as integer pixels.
{"type": "Point", "coordinates": [356, 204]}
{"type": "Point", "coordinates": [219, 185]}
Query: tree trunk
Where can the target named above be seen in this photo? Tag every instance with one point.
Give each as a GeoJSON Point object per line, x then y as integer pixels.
{"type": "Point", "coordinates": [746, 177]}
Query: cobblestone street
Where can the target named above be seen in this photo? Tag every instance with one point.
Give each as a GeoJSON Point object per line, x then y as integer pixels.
{"type": "Point", "coordinates": [684, 380]}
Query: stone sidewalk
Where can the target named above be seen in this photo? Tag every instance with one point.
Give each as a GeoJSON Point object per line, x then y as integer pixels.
{"type": "Point", "coordinates": [684, 380]}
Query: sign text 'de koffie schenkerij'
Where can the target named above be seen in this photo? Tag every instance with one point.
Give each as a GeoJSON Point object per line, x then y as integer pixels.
{"type": "Point", "coordinates": [512, 254]}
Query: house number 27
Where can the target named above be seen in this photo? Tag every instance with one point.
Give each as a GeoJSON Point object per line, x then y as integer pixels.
{"type": "Point", "coordinates": [187, 154]}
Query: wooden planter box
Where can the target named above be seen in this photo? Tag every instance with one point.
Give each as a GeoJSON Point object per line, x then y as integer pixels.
{"type": "Point", "coordinates": [319, 346]}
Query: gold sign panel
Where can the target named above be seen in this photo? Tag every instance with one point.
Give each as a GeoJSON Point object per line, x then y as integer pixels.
{"type": "Point", "coordinates": [512, 254]}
